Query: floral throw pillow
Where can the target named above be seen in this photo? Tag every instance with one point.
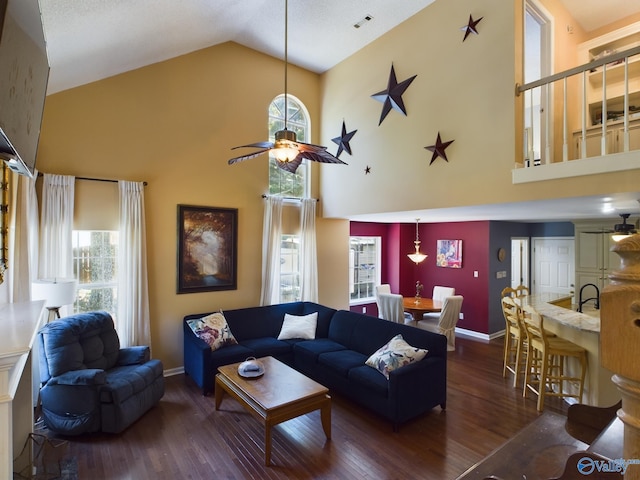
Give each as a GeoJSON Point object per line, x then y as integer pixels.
{"type": "Point", "coordinates": [214, 330]}
{"type": "Point", "coordinates": [395, 354]}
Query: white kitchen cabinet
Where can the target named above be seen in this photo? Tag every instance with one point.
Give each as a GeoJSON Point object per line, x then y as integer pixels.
{"type": "Point", "coordinates": [594, 258]}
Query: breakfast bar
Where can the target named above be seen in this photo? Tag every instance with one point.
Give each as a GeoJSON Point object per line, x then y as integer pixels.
{"type": "Point", "coordinates": [583, 329]}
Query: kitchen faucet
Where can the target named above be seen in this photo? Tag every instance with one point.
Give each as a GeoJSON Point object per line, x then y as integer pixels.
{"type": "Point", "coordinates": [596, 298]}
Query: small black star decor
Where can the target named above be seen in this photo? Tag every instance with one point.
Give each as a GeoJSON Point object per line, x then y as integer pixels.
{"type": "Point", "coordinates": [343, 140]}
{"type": "Point", "coordinates": [439, 149]}
{"type": "Point", "coordinates": [392, 96]}
{"type": "Point", "coordinates": [470, 27]}
{"type": "Point", "coordinates": [367, 170]}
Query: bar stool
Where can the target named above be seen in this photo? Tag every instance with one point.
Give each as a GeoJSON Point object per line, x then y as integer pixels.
{"type": "Point", "coordinates": [546, 372]}
{"type": "Point", "coordinates": [514, 339]}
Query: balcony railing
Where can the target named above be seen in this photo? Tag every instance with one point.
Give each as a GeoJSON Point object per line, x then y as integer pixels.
{"type": "Point", "coordinates": [597, 107]}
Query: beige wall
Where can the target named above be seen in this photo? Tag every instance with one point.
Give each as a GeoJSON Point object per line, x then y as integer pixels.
{"type": "Point", "coordinates": [464, 90]}
{"type": "Point", "coordinates": [173, 124]}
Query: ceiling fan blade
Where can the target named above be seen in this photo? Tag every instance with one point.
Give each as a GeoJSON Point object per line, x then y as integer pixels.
{"type": "Point", "coordinates": [248, 156]}
{"type": "Point", "coordinates": [290, 166]}
{"type": "Point", "coordinates": [318, 154]}
{"type": "Point", "coordinates": [267, 145]}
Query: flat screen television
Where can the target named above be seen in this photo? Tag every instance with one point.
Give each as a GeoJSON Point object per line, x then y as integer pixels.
{"type": "Point", "coordinates": [24, 74]}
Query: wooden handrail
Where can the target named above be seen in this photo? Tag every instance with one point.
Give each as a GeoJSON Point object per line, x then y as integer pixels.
{"type": "Point", "coordinates": [576, 70]}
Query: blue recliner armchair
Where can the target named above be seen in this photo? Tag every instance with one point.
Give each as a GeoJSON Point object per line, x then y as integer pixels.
{"type": "Point", "coordinates": [89, 383]}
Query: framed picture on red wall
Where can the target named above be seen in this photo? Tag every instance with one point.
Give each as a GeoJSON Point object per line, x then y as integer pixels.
{"type": "Point", "coordinates": [449, 253]}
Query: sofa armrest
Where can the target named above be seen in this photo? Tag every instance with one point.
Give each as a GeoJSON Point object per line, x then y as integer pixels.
{"type": "Point", "coordinates": [88, 376]}
{"type": "Point", "coordinates": [136, 355]}
{"type": "Point", "coordinates": [417, 384]}
{"type": "Point", "coordinates": [197, 359]}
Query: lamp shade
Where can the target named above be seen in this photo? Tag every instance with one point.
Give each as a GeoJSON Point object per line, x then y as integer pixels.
{"type": "Point", "coordinates": [55, 292]}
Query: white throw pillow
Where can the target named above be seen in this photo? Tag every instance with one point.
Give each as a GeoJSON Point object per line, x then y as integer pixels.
{"type": "Point", "coordinates": [295, 326]}
{"type": "Point", "coordinates": [395, 354]}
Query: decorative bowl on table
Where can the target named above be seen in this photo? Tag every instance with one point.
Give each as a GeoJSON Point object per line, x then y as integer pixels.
{"type": "Point", "coordinates": [251, 368]}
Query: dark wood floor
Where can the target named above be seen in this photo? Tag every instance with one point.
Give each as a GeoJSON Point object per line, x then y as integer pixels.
{"type": "Point", "coordinates": [185, 438]}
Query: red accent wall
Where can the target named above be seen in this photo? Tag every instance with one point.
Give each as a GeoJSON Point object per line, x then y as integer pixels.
{"type": "Point", "coordinates": [475, 258]}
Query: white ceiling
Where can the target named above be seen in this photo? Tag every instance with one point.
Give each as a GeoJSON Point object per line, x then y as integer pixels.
{"type": "Point", "coordinates": [557, 210]}
{"type": "Point", "coordinates": [88, 40]}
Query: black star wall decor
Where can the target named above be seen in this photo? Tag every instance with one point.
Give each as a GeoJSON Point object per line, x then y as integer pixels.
{"type": "Point", "coordinates": [439, 149]}
{"type": "Point", "coordinates": [470, 27]}
{"type": "Point", "coordinates": [367, 170]}
{"type": "Point", "coordinates": [343, 140]}
{"type": "Point", "coordinates": [392, 96]}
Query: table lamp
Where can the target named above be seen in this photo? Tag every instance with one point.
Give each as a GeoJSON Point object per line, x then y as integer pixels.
{"type": "Point", "coordinates": [56, 293]}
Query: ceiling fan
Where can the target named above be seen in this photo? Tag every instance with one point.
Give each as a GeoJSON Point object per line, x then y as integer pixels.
{"type": "Point", "coordinates": [619, 229]}
{"type": "Point", "coordinates": [624, 229]}
{"type": "Point", "coordinates": [288, 152]}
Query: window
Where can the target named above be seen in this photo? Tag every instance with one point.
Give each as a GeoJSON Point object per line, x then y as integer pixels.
{"type": "Point", "coordinates": [364, 268]}
{"type": "Point", "coordinates": [95, 260]}
{"type": "Point", "coordinates": [290, 269]}
{"type": "Point", "coordinates": [281, 182]}
{"type": "Point", "coordinates": [537, 64]}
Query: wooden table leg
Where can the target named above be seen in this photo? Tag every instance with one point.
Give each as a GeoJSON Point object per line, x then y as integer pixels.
{"type": "Point", "coordinates": [219, 393]}
{"type": "Point", "coordinates": [325, 416]}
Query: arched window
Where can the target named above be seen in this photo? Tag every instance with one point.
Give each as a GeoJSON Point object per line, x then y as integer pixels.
{"type": "Point", "coordinates": [282, 182]}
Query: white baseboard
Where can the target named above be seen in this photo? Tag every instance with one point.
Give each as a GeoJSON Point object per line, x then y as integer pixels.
{"type": "Point", "coordinates": [481, 336]}
{"type": "Point", "coordinates": [173, 371]}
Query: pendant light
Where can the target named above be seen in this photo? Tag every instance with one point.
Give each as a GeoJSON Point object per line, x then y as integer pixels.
{"type": "Point", "coordinates": [417, 257]}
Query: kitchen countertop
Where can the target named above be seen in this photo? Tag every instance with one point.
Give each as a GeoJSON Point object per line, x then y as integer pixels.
{"type": "Point", "coordinates": [588, 321]}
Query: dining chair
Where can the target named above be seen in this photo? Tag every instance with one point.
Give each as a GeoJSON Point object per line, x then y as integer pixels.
{"type": "Point", "coordinates": [383, 288]}
{"type": "Point", "coordinates": [439, 294]}
{"type": "Point", "coordinates": [447, 320]}
{"type": "Point", "coordinates": [390, 307]}
{"type": "Point", "coordinates": [547, 370]}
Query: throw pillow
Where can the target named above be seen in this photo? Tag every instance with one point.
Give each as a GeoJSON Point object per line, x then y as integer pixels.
{"type": "Point", "coordinates": [395, 354]}
{"type": "Point", "coordinates": [214, 330]}
{"type": "Point", "coordinates": [295, 326]}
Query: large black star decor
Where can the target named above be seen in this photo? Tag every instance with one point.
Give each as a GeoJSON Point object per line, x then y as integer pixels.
{"type": "Point", "coordinates": [470, 27]}
{"type": "Point", "coordinates": [439, 149]}
{"type": "Point", "coordinates": [343, 140]}
{"type": "Point", "coordinates": [392, 96]}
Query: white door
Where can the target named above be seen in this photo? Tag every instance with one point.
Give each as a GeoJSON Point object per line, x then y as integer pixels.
{"type": "Point", "coordinates": [520, 262]}
{"type": "Point", "coordinates": [553, 265]}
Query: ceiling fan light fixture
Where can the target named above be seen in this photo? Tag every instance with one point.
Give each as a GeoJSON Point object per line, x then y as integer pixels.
{"type": "Point", "coordinates": [285, 146]}
{"type": "Point", "coordinates": [624, 229]}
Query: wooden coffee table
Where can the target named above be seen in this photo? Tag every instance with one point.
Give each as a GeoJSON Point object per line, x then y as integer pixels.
{"type": "Point", "coordinates": [279, 395]}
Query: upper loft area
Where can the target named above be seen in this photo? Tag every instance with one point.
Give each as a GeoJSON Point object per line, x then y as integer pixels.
{"type": "Point", "coordinates": [585, 119]}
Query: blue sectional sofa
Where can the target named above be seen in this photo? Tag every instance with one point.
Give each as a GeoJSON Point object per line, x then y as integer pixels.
{"type": "Point", "coordinates": [335, 357]}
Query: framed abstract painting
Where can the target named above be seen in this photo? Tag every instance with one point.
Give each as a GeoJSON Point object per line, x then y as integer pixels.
{"type": "Point", "coordinates": [449, 253]}
{"type": "Point", "coordinates": [207, 249]}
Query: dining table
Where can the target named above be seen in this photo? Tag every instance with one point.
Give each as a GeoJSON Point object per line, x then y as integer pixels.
{"type": "Point", "coordinates": [417, 307]}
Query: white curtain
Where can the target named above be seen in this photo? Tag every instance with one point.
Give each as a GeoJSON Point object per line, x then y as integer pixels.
{"type": "Point", "coordinates": [308, 253]}
{"type": "Point", "coordinates": [56, 227]}
{"type": "Point", "coordinates": [132, 322]}
{"type": "Point", "coordinates": [23, 238]}
{"type": "Point", "coordinates": [271, 241]}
